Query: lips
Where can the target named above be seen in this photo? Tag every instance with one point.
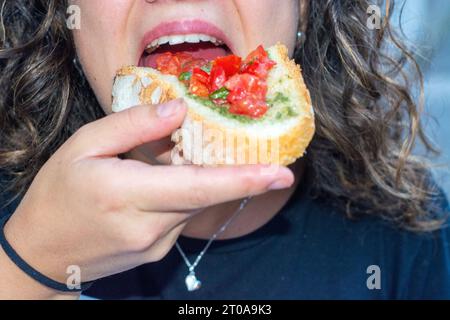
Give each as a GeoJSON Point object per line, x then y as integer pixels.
{"type": "Point", "coordinates": [198, 38]}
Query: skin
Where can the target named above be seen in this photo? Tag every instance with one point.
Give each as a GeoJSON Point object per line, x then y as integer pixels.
{"type": "Point", "coordinates": [133, 210]}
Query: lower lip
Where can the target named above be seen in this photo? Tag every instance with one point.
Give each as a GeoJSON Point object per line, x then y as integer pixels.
{"type": "Point", "coordinates": [182, 28]}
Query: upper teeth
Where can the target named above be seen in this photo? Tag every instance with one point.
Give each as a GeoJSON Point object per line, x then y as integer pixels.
{"type": "Point", "coordinates": [178, 39]}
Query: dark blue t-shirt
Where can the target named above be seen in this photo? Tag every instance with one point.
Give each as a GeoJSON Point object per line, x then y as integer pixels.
{"type": "Point", "coordinates": [307, 251]}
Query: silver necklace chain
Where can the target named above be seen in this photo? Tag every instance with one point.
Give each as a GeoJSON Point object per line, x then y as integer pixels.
{"type": "Point", "coordinates": [192, 283]}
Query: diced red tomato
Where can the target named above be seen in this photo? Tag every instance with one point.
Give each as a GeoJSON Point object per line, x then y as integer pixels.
{"type": "Point", "coordinates": [199, 84]}
{"type": "Point", "coordinates": [175, 64]}
{"type": "Point", "coordinates": [189, 65]}
{"type": "Point", "coordinates": [167, 64]}
{"type": "Point", "coordinates": [247, 95]}
{"type": "Point", "coordinates": [256, 54]}
{"type": "Point", "coordinates": [249, 84]}
{"type": "Point", "coordinates": [249, 106]}
{"type": "Point", "coordinates": [231, 64]}
{"type": "Point", "coordinates": [217, 78]}
{"type": "Point", "coordinates": [200, 75]}
{"type": "Point", "coordinates": [260, 68]}
{"type": "Point", "coordinates": [258, 63]}
{"type": "Point", "coordinates": [222, 69]}
{"type": "Point", "coordinates": [198, 88]}
{"type": "Point", "coordinates": [245, 81]}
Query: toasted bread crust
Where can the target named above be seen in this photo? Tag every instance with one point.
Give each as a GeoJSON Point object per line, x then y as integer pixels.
{"type": "Point", "coordinates": [291, 145]}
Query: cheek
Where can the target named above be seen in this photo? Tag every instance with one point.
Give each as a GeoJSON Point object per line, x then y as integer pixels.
{"type": "Point", "coordinates": [269, 21]}
{"type": "Point", "coordinates": [103, 27]}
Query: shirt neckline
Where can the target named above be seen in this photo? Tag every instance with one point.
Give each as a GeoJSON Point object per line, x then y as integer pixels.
{"type": "Point", "coordinates": [273, 227]}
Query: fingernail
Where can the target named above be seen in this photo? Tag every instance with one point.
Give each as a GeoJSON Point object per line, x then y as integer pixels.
{"type": "Point", "coordinates": [279, 185]}
{"type": "Point", "coordinates": [168, 109]}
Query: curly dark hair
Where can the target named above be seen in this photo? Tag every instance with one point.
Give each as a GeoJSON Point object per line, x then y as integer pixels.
{"type": "Point", "coordinates": [366, 116]}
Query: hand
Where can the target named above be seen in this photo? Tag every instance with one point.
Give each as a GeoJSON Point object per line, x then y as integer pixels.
{"type": "Point", "coordinates": [86, 207]}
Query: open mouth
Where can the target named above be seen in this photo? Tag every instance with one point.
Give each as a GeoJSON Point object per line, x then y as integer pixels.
{"type": "Point", "coordinates": [200, 46]}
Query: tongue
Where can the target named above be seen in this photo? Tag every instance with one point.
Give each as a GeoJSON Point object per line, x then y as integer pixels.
{"type": "Point", "coordinates": [204, 50]}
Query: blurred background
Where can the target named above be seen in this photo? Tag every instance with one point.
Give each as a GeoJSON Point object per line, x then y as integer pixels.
{"type": "Point", "coordinates": [426, 23]}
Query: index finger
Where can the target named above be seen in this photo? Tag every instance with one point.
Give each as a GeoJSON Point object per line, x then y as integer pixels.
{"type": "Point", "coordinates": [179, 188]}
{"type": "Point", "coordinates": [121, 132]}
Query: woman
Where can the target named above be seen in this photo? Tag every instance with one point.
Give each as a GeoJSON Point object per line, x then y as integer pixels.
{"type": "Point", "coordinates": [358, 217]}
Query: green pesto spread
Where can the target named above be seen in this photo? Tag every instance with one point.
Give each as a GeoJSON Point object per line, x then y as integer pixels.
{"type": "Point", "coordinates": [282, 111]}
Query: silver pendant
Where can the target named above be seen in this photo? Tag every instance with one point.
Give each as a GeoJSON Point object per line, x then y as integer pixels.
{"type": "Point", "coordinates": [192, 283]}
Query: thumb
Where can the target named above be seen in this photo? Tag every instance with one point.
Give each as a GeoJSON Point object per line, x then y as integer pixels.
{"type": "Point", "coordinates": [121, 132]}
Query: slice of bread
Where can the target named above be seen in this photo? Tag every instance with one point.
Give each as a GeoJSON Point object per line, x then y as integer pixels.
{"type": "Point", "coordinates": [210, 135]}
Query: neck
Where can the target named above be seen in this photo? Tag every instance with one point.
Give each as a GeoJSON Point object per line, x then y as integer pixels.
{"type": "Point", "coordinates": [258, 212]}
